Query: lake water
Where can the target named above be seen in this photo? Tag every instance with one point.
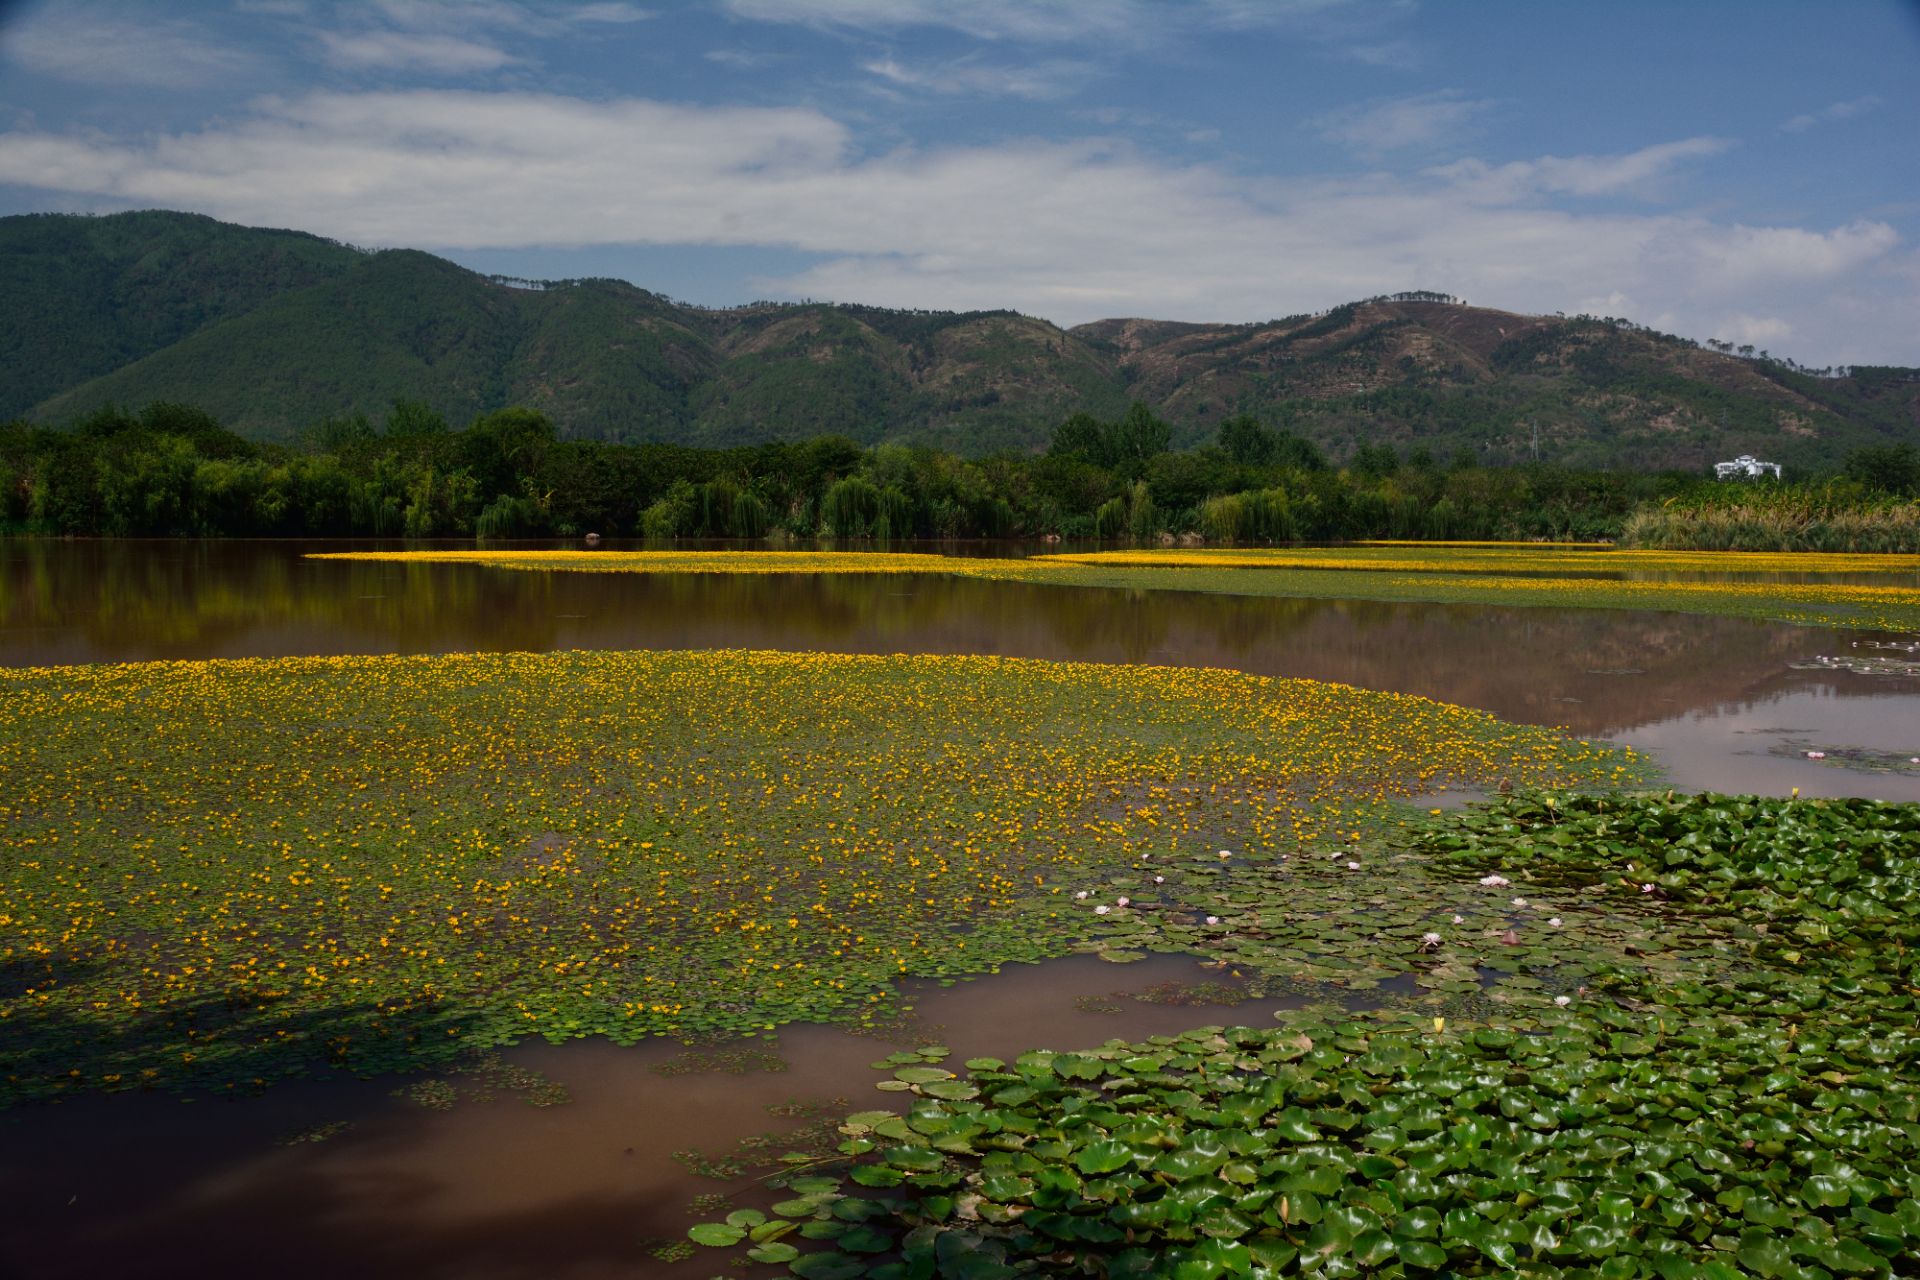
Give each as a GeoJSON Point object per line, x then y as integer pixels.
{"type": "Point", "coordinates": [143, 1185]}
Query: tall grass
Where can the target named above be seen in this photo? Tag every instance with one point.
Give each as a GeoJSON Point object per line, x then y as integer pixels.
{"type": "Point", "coordinates": [1837, 517]}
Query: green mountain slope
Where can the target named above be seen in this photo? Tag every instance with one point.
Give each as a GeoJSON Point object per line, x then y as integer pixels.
{"type": "Point", "coordinates": [85, 296]}
{"type": "Point", "coordinates": [273, 331]}
{"type": "Point", "coordinates": [400, 324]}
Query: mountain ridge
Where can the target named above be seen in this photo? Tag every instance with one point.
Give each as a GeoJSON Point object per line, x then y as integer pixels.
{"type": "Point", "coordinates": [274, 331]}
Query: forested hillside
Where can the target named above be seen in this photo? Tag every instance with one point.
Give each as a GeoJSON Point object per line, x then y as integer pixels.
{"type": "Point", "coordinates": [274, 331]}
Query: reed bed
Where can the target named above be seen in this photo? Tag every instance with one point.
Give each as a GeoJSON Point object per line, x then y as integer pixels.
{"type": "Point", "coordinates": [1820, 520]}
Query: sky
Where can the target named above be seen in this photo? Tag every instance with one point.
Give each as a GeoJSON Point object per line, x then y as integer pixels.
{"type": "Point", "coordinates": [1745, 172]}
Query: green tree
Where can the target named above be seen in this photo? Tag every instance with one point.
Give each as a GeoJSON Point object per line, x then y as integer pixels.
{"type": "Point", "coordinates": [1372, 461]}
{"type": "Point", "coordinates": [1082, 434]}
{"type": "Point", "coordinates": [1246, 441]}
{"type": "Point", "coordinates": [1893, 468]}
{"type": "Point", "coordinates": [1139, 438]}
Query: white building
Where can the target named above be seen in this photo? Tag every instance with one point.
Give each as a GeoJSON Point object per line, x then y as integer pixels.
{"type": "Point", "coordinates": [1745, 467]}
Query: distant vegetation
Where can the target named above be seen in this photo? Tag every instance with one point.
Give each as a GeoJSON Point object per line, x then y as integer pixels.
{"type": "Point", "coordinates": [1845, 515]}
{"type": "Point", "coordinates": [173, 470]}
{"type": "Point", "coordinates": [271, 331]}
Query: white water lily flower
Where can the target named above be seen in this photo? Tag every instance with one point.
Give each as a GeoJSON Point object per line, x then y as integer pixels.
{"type": "Point", "coordinates": [1225, 853]}
{"type": "Point", "coordinates": [1495, 882]}
{"type": "Point", "coordinates": [1646, 888]}
{"type": "Point", "coordinates": [1213, 919]}
{"type": "Point", "coordinates": [1519, 902]}
{"type": "Point", "coordinates": [1430, 939]}
{"type": "Point", "coordinates": [1353, 866]}
{"type": "Point", "coordinates": [1159, 879]}
{"type": "Point", "coordinates": [1459, 919]}
{"type": "Point", "coordinates": [1563, 1001]}
{"type": "Point", "coordinates": [1555, 922]}
{"type": "Point", "coordinates": [1080, 896]}
{"type": "Point", "coordinates": [1101, 910]}
{"type": "Point", "coordinates": [1123, 902]}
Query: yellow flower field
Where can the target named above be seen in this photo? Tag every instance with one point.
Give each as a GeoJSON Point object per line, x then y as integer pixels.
{"type": "Point", "coordinates": [221, 872]}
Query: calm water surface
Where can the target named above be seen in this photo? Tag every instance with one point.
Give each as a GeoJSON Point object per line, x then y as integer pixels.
{"type": "Point", "coordinates": [138, 1185]}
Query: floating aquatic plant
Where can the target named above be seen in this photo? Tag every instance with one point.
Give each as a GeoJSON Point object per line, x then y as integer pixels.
{"type": "Point", "coordinates": [223, 873]}
{"type": "Point", "coordinates": [1751, 1119]}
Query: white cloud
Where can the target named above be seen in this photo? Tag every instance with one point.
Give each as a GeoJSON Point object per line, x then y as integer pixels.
{"type": "Point", "coordinates": [741, 59]}
{"type": "Point", "coordinates": [1132, 21]}
{"type": "Point", "coordinates": [111, 45]}
{"type": "Point", "coordinates": [404, 50]}
{"type": "Point", "coordinates": [1071, 230]}
{"type": "Point", "coordinates": [455, 16]}
{"type": "Point", "coordinates": [1397, 123]}
{"type": "Point", "coordinates": [1054, 78]}
{"type": "Point", "coordinates": [448, 37]}
{"type": "Point", "coordinates": [1632, 172]}
{"type": "Point", "coordinates": [613, 13]}
{"type": "Point", "coordinates": [1757, 330]}
{"type": "Point", "coordinates": [1830, 114]}
{"type": "Point", "coordinates": [1400, 55]}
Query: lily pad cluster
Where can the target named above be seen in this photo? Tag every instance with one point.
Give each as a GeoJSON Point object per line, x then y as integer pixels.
{"type": "Point", "coordinates": [1597, 1145]}
{"type": "Point", "coordinates": [1752, 1119]}
{"type": "Point", "coordinates": [1363, 909]}
{"type": "Point", "coordinates": [1832, 885]}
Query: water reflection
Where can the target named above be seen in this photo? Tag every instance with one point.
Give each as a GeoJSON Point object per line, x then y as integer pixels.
{"type": "Point", "coordinates": [1597, 672]}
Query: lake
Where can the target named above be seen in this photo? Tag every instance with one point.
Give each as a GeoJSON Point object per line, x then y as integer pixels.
{"type": "Point", "coordinates": [145, 1185]}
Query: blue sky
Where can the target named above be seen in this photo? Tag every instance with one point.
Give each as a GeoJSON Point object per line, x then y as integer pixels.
{"type": "Point", "coordinates": [1748, 172]}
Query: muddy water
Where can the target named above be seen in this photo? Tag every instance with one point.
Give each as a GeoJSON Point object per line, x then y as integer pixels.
{"type": "Point", "coordinates": [143, 1185]}
{"type": "Point", "coordinates": [138, 1185]}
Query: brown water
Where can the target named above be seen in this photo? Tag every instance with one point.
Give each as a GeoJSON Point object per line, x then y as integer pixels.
{"type": "Point", "coordinates": [135, 1185]}
{"type": "Point", "coordinates": [142, 1185]}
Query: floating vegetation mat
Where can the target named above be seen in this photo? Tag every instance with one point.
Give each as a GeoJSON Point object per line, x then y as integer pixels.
{"type": "Point", "coordinates": [1522, 575]}
{"type": "Point", "coordinates": [1864, 664]}
{"type": "Point", "coordinates": [1859, 759]}
{"type": "Point", "coordinates": [1750, 1112]}
{"type": "Point", "coordinates": [220, 873]}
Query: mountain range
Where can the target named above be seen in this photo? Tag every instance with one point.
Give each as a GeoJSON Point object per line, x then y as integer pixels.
{"type": "Point", "coordinates": [274, 331]}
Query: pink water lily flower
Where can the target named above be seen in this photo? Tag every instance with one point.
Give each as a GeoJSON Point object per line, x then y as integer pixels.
{"type": "Point", "coordinates": [1102, 909]}
{"type": "Point", "coordinates": [1124, 902]}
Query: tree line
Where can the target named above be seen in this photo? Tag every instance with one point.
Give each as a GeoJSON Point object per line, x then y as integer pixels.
{"type": "Point", "coordinates": [171, 470]}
